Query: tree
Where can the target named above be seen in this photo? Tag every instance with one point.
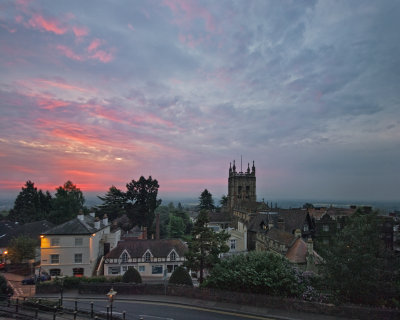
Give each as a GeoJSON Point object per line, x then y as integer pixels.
{"type": "Point", "coordinates": [224, 201]}
{"type": "Point", "coordinates": [5, 289]}
{"type": "Point", "coordinates": [176, 227]}
{"type": "Point", "coordinates": [257, 272]}
{"type": "Point", "coordinates": [21, 248]}
{"type": "Point", "coordinates": [132, 275]}
{"type": "Point", "coordinates": [181, 276]}
{"type": "Point", "coordinates": [205, 246]}
{"type": "Point", "coordinates": [356, 267]}
{"type": "Point", "coordinates": [67, 203]}
{"type": "Point", "coordinates": [30, 204]}
{"type": "Point", "coordinates": [206, 201]}
{"type": "Point", "coordinates": [113, 204]}
{"type": "Point", "coordinates": [142, 201]}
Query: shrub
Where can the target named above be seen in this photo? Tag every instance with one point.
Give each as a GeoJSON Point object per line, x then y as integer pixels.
{"type": "Point", "coordinates": [132, 275]}
{"type": "Point", "coordinates": [70, 282]}
{"type": "Point", "coordinates": [5, 289]}
{"type": "Point", "coordinates": [181, 276]}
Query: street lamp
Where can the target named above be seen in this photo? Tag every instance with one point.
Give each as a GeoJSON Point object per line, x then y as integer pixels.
{"type": "Point", "coordinates": [110, 296]}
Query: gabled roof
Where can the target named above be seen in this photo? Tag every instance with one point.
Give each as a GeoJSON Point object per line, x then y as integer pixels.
{"type": "Point", "coordinates": [76, 227]}
{"type": "Point", "coordinates": [297, 253]}
{"type": "Point", "coordinates": [158, 248]}
{"type": "Point", "coordinates": [281, 236]}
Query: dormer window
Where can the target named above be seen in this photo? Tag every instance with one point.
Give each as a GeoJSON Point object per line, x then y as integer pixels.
{"type": "Point", "coordinates": [147, 257]}
{"type": "Point", "coordinates": [124, 257]}
{"type": "Point", "coordinates": [172, 256]}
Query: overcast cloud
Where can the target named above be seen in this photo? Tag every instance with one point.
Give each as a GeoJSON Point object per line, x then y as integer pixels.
{"type": "Point", "coordinates": [102, 92]}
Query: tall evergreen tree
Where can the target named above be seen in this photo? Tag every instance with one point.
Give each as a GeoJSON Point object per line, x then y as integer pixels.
{"type": "Point", "coordinates": [206, 201]}
{"type": "Point", "coordinates": [142, 201]}
{"type": "Point", "coordinates": [113, 204]}
{"type": "Point", "coordinates": [205, 246]}
{"type": "Point", "coordinates": [30, 204]}
{"type": "Point", "coordinates": [67, 202]}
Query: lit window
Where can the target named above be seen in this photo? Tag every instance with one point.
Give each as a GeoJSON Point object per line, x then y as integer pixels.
{"type": "Point", "coordinates": [78, 258]}
{"type": "Point", "coordinates": [78, 242]}
{"type": "Point", "coordinates": [55, 242]}
{"type": "Point", "coordinates": [147, 257]}
{"type": "Point", "coordinates": [172, 256]}
{"type": "Point", "coordinates": [54, 258]}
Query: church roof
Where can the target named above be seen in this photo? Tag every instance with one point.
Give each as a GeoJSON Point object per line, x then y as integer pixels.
{"type": "Point", "coordinates": [158, 248]}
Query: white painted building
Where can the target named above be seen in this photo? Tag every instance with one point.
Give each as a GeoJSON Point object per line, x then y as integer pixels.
{"type": "Point", "coordinates": [75, 247]}
{"type": "Point", "coordinates": [152, 258]}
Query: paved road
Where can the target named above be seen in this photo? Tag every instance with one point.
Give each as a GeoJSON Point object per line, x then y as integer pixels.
{"type": "Point", "coordinates": [20, 290]}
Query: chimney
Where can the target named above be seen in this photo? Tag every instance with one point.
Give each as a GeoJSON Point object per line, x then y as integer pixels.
{"type": "Point", "coordinates": [310, 246]}
{"type": "Point", "coordinates": [144, 233]}
{"type": "Point", "coordinates": [80, 215]}
{"type": "Point", "coordinates": [97, 223]}
{"type": "Point", "coordinates": [158, 226]}
{"type": "Point", "coordinates": [92, 214]}
{"type": "Point", "coordinates": [281, 224]}
{"type": "Point", "coordinates": [105, 220]}
{"type": "Point", "coordinates": [297, 233]}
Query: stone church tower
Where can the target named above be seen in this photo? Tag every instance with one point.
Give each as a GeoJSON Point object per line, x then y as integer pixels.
{"type": "Point", "coordinates": [241, 186]}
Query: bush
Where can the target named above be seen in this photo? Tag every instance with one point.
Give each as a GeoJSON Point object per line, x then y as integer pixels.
{"type": "Point", "coordinates": [132, 275]}
{"type": "Point", "coordinates": [256, 272]}
{"type": "Point", "coordinates": [69, 282]}
{"type": "Point", "coordinates": [5, 289]}
{"type": "Point", "coordinates": [181, 276]}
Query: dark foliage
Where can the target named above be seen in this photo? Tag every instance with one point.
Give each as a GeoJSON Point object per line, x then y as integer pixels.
{"type": "Point", "coordinates": [181, 276]}
{"type": "Point", "coordinates": [132, 275]}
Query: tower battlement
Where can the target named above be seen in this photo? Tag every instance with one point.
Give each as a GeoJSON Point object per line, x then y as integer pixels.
{"type": "Point", "coordinates": [241, 186]}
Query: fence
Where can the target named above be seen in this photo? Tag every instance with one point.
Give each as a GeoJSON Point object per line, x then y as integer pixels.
{"type": "Point", "coordinates": [57, 309]}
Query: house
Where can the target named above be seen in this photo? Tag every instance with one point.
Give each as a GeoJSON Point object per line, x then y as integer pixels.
{"type": "Point", "coordinates": [75, 248]}
{"type": "Point", "coordinates": [155, 259]}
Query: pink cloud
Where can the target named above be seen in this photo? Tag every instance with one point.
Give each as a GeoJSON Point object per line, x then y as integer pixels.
{"type": "Point", "coordinates": [189, 11]}
{"type": "Point", "coordinates": [69, 53]}
{"type": "Point", "coordinates": [61, 85]}
{"type": "Point", "coordinates": [80, 31]}
{"type": "Point", "coordinates": [94, 45]}
{"type": "Point", "coordinates": [51, 104]}
{"type": "Point", "coordinates": [51, 25]}
{"type": "Point", "coordinates": [102, 56]}
{"type": "Point", "coordinates": [131, 27]}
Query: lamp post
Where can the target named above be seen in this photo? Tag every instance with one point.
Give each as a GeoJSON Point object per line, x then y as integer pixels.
{"type": "Point", "coordinates": [110, 296]}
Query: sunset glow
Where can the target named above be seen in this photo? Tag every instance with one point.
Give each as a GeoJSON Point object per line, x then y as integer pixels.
{"type": "Point", "coordinates": [101, 93]}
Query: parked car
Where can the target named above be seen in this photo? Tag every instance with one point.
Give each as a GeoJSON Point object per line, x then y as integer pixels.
{"type": "Point", "coordinates": [34, 279]}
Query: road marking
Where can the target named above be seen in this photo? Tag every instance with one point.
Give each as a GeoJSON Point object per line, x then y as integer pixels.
{"type": "Point", "coordinates": [146, 316]}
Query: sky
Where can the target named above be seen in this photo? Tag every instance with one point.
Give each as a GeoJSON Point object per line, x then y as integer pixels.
{"type": "Point", "coordinates": [103, 92]}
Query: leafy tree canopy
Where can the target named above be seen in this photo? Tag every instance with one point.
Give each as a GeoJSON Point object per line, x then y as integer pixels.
{"type": "Point", "coordinates": [205, 245]}
{"type": "Point", "coordinates": [67, 203]}
{"type": "Point", "coordinates": [357, 266]}
{"type": "Point", "coordinates": [21, 248]}
{"type": "Point", "coordinates": [5, 289]}
{"type": "Point", "coordinates": [132, 275]}
{"type": "Point", "coordinates": [256, 272]}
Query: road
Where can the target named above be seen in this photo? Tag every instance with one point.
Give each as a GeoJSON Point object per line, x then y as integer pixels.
{"type": "Point", "coordinates": [20, 290]}
{"type": "Point", "coordinates": [148, 310]}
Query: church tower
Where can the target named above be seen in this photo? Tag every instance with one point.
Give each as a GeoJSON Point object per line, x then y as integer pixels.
{"type": "Point", "coordinates": [241, 186]}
